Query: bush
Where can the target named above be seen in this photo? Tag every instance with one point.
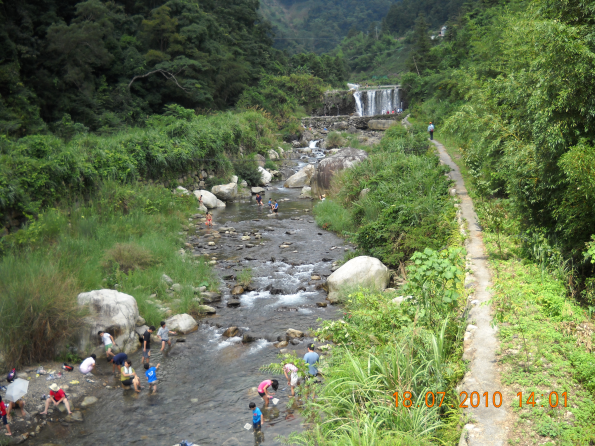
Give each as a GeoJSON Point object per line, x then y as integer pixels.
{"type": "Point", "coordinates": [128, 257]}
{"type": "Point", "coordinates": [248, 170]}
{"type": "Point", "coordinates": [334, 140]}
{"type": "Point", "coordinates": [270, 164]}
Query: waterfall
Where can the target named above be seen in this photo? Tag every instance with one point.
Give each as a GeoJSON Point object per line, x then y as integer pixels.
{"type": "Point", "coordinates": [313, 144]}
{"type": "Point", "coordinates": [376, 102]}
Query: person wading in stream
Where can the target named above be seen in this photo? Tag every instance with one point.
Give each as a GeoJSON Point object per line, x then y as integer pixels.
{"type": "Point", "coordinates": [209, 221]}
{"type": "Point", "coordinates": [147, 345]}
{"type": "Point", "coordinates": [263, 390]}
{"type": "Point", "coordinates": [276, 207]}
{"type": "Point", "coordinates": [431, 131]}
{"type": "Point", "coordinates": [259, 199]}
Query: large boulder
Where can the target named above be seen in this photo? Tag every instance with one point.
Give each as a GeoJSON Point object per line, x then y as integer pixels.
{"type": "Point", "coordinates": [360, 271]}
{"type": "Point", "coordinates": [182, 323]}
{"type": "Point", "coordinates": [307, 136]}
{"type": "Point", "coordinates": [261, 160]}
{"type": "Point", "coordinates": [380, 124]}
{"type": "Point", "coordinates": [328, 167]}
{"type": "Point", "coordinates": [226, 192]}
{"type": "Point", "coordinates": [300, 178]}
{"type": "Point", "coordinates": [265, 176]}
{"type": "Point", "coordinates": [208, 199]}
{"type": "Point", "coordinates": [273, 155]}
{"type": "Point", "coordinates": [110, 311]}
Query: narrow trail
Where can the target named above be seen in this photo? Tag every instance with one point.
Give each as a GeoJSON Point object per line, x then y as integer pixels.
{"type": "Point", "coordinates": [487, 426]}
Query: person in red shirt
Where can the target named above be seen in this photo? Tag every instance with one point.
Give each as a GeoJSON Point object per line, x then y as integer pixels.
{"type": "Point", "coordinates": [3, 416]}
{"type": "Point", "coordinates": [57, 396]}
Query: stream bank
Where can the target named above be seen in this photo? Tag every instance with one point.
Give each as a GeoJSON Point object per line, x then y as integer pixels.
{"type": "Point", "coordinates": [206, 382]}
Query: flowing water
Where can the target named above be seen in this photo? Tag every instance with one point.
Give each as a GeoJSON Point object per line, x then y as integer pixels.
{"type": "Point", "coordinates": [376, 102]}
{"type": "Point", "coordinates": [206, 382]}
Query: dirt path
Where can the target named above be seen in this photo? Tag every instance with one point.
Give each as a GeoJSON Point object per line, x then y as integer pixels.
{"type": "Point", "coordinates": [487, 424]}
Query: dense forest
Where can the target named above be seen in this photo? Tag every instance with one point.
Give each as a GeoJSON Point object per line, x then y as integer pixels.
{"type": "Point", "coordinates": [106, 64]}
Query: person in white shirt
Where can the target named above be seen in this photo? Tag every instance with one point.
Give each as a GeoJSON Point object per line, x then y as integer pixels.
{"type": "Point", "coordinates": [88, 365]}
{"type": "Point", "coordinates": [108, 342]}
{"type": "Point", "coordinates": [163, 334]}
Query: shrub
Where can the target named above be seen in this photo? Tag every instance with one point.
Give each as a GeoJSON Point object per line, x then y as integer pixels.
{"type": "Point", "coordinates": [128, 257]}
{"type": "Point", "coordinates": [245, 277]}
{"type": "Point", "coordinates": [38, 310]}
{"type": "Point", "coordinates": [334, 140]}
{"type": "Point", "coordinates": [247, 170]}
{"type": "Point", "coordinates": [270, 164]}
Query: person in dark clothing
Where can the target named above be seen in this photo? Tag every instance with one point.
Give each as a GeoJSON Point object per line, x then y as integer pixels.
{"type": "Point", "coordinates": [147, 345]}
{"type": "Point", "coordinates": [119, 361]}
{"type": "Point", "coordinates": [431, 131]}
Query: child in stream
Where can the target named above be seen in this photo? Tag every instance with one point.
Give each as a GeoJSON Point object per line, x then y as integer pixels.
{"type": "Point", "coordinates": [151, 374]}
{"type": "Point", "coordinates": [163, 334]}
{"type": "Point", "coordinates": [209, 221]}
{"type": "Point", "coordinates": [291, 373]}
{"type": "Point", "coordinates": [3, 415]}
{"type": "Point", "coordinates": [256, 416]}
{"type": "Point", "coordinates": [263, 390]}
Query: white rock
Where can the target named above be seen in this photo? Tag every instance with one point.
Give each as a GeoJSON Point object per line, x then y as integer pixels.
{"type": "Point", "coordinates": [88, 401]}
{"type": "Point", "coordinates": [226, 192]}
{"type": "Point", "coordinates": [182, 190]}
{"type": "Point", "coordinates": [265, 177]}
{"type": "Point", "coordinates": [182, 323]}
{"type": "Point", "coordinates": [243, 183]}
{"type": "Point", "coordinates": [300, 178]}
{"type": "Point", "coordinates": [221, 204]}
{"type": "Point", "coordinates": [203, 208]}
{"type": "Point", "coordinates": [273, 155]}
{"type": "Point", "coordinates": [360, 271]}
{"type": "Point", "coordinates": [234, 179]}
{"type": "Point", "coordinates": [111, 311]}
{"type": "Point", "coordinates": [208, 199]}
{"type": "Point", "coordinates": [257, 190]}
{"type": "Point", "coordinates": [306, 190]}
{"type": "Point", "coordinates": [292, 333]}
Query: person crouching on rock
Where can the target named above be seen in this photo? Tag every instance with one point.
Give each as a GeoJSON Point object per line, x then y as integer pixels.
{"type": "Point", "coordinates": [129, 377]}
{"type": "Point", "coordinates": [88, 365]}
{"type": "Point", "coordinates": [119, 361]}
{"type": "Point", "coordinates": [57, 396]}
{"type": "Point", "coordinates": [263, 390]}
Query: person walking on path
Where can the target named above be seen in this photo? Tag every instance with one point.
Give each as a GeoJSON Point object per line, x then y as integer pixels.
{"type": "Point", "coordinates": [263, 390]}
{"type": "Point", "coordinates": [3, 415]}
{"type": "Point", "coordinates": [163, 334]}
{"type": "Point", "coordinates": [431, 131]}
{"type": "Point", "coordinates": [311, 359]}
{"type": "Point", "coordinates": [88, 365]}
{"type": "Point", "coordinates": [57, 396]}
{"type": "Point", "coordinates": [108, 342]}
{"type": "Point", "coordinates": [147, 345]}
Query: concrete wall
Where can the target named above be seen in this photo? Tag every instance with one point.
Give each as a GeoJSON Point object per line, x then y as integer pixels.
{"type": "Point", "coordinates": [342, 123]}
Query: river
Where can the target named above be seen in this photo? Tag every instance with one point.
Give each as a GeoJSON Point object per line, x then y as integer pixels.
{"type": "Point", "coordinates": [206, 383]}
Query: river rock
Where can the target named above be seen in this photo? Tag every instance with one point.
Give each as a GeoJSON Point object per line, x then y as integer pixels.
{"type": "Point", "coordinates": [380, 124]}
{"type": "Point", "coordinates": [307, 136]}
{"type": "Point", "coordinates": [261, 160]}
{"type": "Point", "coordinates": [226, 192]}
{"type": "Point", "coordinates": [265, 176]}
{"type": "Point", "coordinates": [306, 192]}
{"type": "Point", "coordinates": [234, 179]}
{"type": "Point", "coordinates": [321, 304]}
{"type": "Point", "coordinates": [208, 199]}
{"type": "Point", "coordinates": [233, 303]}
{"type": "Point", "coordinates": [210, 297]}
{"type": "Point", "coordinates": [301, 178]}
{"type": "Point", "coordinates": [165, 278]}
{"type": "Point", "coordinates": [286, 173]}
{"type": "Point", "coordinates": [328, 167]}
{"type": "Point", "coordinates": [182, 323]}
{"type": "Point", "coordinates": [292, 333]}
{"type": "Point", "coordinates": [231, 332]}
{"type": "Point", "coordinates": [206, 309]}
{"type": "Point", "coordinates": [140, 321]}
{"type": "Point", "coordinates": [237, 290]}
{"type": "Point", "coordinates": [273, 155]}
{"type": "Point", "coordinates": [360, 271]}
{"type": "Point", "coordinates": [182, 190]}
{"type": "Point", "coordinates": [203, 208]}
{"type": "Point", "coordinates": [281, 344]}
{"type": "Point", "coordinates": [315, 277]}
{"type": "Point", "coordinates": [221, 204]}
{"type": "Point", "coordinates": [88, 401]}
{"type": "Point", "coordinates": [364, 192]}
{"type": "Point", "coordinates": [250, 337]}
{"type": "Point", "coordinates": [257, 190]}
{"type": "Point", "coordinates": [244, 183]}
{"type": "Point", "coordinates": [110, 311]}
{"type": "Point", "coordinates": [76, 416]}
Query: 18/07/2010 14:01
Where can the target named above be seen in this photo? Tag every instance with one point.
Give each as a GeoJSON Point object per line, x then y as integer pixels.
{"type": "Point", "coordinates": [473, 399]}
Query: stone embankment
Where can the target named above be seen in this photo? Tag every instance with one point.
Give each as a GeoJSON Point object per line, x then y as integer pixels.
{"type": "Point", "coordinates": [347, 122]}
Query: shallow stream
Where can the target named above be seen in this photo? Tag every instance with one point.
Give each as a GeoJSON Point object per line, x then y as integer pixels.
{"type": "Point", "coordinates": [206, 382]}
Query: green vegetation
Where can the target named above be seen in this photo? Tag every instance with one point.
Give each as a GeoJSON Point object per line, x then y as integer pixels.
{"type": "Point", "coordinates": [124, 238]}
{"type": "Point", "coordinates": [244, 277]}
{"type": "Point", "coordinates": [395, 202]}
{"type": "Point", "coordinates": [383, 347]}
{"type": "Point", "coordinates": [36, 171]}
{"type": "Point", "coordinates": [308, 25]}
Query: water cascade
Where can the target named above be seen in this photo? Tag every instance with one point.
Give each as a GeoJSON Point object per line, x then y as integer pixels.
{"type": "Point", "coordinates": [376, 102]}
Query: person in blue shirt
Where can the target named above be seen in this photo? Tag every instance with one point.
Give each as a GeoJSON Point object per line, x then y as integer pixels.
{"type": "Point", "coordinates": [256, 416]}
{"type": "Point", "coordinates": [151, 374]}
{"type": "Point", "coordinates": [431, 131]}
{"type": "Point", "coordinates": [270, 204]}
{"type": "Point", "coordinates": [311, 359]}
{"type": "Point", "coordinates": [276, 207]}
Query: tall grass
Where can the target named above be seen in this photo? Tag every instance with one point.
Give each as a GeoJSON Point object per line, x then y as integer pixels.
{"type": "Point", "coordinates": [126, 237]}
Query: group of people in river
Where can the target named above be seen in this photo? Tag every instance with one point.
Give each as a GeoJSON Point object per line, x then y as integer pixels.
{"type": "Point", "coordinates": [291, 374]}
{"type": "Point", "coordinates": [272, 205]}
